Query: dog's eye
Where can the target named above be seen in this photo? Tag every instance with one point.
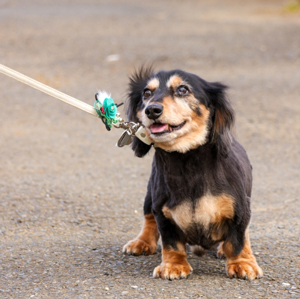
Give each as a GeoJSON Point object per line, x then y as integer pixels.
{"type": "Point", "coordinates": [147, 93]}
{"type": "Point", "coordinates": [183, 90]}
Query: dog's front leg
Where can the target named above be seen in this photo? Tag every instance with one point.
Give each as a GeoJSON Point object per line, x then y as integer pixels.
{"type": "Point", "coordinates": [243, 265]}
{"type": "Point", "coordinates": [174, 258]}
{"type": "Point", "coordinates": [146, 241]}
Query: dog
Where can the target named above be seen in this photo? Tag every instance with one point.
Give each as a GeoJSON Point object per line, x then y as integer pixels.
{"type": "Point", "coordinates": [199, 189]}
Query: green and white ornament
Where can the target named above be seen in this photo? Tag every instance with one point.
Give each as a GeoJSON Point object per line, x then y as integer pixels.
{"type": "Point", "coordinates": [106, 109]}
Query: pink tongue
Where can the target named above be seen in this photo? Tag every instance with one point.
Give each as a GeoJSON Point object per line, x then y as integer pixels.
{"type": "Point", "coordinates": [158, 128]}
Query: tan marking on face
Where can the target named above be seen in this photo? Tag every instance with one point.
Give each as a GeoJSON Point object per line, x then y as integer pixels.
{"type": "Point", "coordinates": [244, 264]}
{"type": "Point", "coordinates": [153, 84]}
{"type": "Point", "coordinates": [193, 134]}
{"type": "Point", "coordinates": [208, 210]}
{"type": "Point", "coordinates": [139, 115]}
{"type": "Point", "coordinates": [178, 110]}
{"type": "Point", "coordinates": [174, 82]}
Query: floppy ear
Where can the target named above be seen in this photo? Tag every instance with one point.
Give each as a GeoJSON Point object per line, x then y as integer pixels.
{"type": "Point", "coordinates": [134, 102]}
{"type": "Point", "coordinates": [223, 117]}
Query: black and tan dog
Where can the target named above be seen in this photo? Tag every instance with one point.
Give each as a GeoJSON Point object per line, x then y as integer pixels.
{"type": "Point", "coordinates": [200, 186]}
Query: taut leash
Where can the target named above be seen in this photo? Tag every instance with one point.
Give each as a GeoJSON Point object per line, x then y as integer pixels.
{"type": "Point", "coordinates": [104, 108]}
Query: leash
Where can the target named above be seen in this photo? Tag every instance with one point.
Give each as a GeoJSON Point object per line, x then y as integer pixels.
{"type": "Point", "coordinates": [104, 108]}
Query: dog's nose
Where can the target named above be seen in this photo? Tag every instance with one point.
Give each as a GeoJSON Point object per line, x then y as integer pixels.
{"type": "Point", "coordinates": [154, 111]}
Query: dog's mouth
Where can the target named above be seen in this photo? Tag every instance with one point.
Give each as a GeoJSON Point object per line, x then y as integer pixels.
{"type": "Point", "coordinates": [159, 128]}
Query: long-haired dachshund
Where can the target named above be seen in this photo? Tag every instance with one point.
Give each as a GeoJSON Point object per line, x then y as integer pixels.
{"type": "Point", "coordinates": [199, 190]}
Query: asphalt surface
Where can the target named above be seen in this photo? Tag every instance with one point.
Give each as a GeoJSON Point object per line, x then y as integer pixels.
{"type": "Point", "coordinates": [70, 199]}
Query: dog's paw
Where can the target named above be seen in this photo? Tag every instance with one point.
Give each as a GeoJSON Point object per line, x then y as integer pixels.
{"type": "Point", "coordinates": [243, 269]}
{"type": "Point", "coordinates": [139, 247]}
{"type": "Point", "coordinates": [172, 271]}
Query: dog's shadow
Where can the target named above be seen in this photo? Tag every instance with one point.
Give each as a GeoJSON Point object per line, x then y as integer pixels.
{"type": "Point", "coordinates": [207, 265]}
{"type": "Point", "coordinates": [111, 261]}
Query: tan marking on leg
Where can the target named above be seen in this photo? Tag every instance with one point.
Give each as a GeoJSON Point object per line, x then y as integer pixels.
{"type": "Point", "coordinates": [174, 264]}
{"type": "Point", "coordinates": [146, 241]}
{"type": "Point", "coordinates": [244, 265]}
{"type": "Point", "coordinates": [225, 208]}
{"type": "Point", "coordinates": [181, 247]}
{"type": "Point", "coordinates": [153, 84]}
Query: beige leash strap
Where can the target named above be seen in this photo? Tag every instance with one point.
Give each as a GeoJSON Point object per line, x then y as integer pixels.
{"type": "Point", "coordinates": [48, 90]}
{"type": "Point", "coordinates": [131, 129]}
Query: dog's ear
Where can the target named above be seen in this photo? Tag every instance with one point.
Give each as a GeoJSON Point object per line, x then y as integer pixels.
{"type": "Point", "coordinates": [139, 147]}
{"type": "Point", "coordinates": [134, 102]}
{"type": "Point", "coordinates": [223, 117]}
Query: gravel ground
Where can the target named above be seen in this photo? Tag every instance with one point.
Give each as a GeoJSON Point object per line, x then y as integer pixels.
{"type": "Point", "coordinates": [70, 199]}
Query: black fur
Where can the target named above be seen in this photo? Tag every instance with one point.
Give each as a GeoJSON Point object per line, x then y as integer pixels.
{"type": "Point", "coordinates": [223, 117]}
{"type": "Point", "coordinates": [220, 166]}
{"type": "Point", "coordinates": [137, 84]}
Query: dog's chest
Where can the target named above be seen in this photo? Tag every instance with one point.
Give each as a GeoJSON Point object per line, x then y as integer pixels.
{"type": "Point", "coordinates": [206, 215]}
{"type": "Point", "coordinates": [180, 176]}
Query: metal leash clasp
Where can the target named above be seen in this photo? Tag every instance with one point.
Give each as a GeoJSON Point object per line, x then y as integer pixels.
{"type": "Point", "coordinates": [132, 129]}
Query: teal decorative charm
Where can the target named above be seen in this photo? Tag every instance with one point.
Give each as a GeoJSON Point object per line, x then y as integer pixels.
{"type": "Point", "coordinates": [106, 109]}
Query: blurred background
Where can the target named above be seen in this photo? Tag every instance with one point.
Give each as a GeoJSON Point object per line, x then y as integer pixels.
{"type": "Point", "coordinates": [70, 199]}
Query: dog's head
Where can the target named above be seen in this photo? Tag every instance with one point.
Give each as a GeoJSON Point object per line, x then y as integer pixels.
{"type": "Point", "coordinates": [179, 110]}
